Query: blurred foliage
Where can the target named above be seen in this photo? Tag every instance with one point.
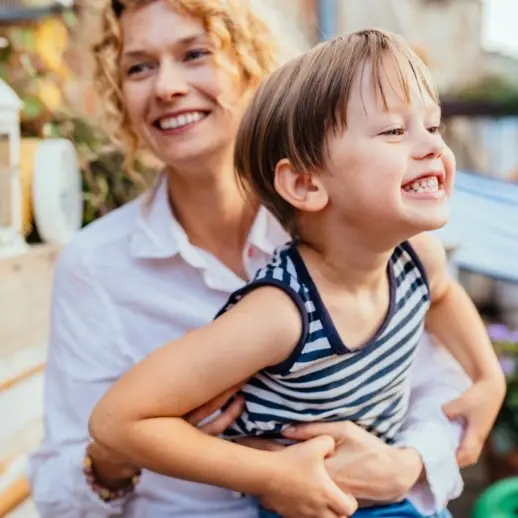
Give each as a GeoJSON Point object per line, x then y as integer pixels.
{"type": "Point", "coordinates": [492, 89]}
{"type": "Point", "coordinates": [504, 437]}
{"type": "Point", "coordinates": [105, 185]}
{"type": "Point", "coordinates": [32, 62]}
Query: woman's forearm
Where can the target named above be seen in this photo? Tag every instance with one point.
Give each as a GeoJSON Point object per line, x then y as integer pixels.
{"type": "Point", "coordinates": [166, 446]}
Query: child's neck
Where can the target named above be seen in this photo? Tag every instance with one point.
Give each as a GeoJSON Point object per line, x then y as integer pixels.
{"type": "Point", "coordinates": [347, 263]}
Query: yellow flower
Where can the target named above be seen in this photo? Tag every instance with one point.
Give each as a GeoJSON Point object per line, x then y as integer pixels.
{"type": "Point", "coordinates": [51, 37]}
{"type": "Point", "coordinates": [49, 94]}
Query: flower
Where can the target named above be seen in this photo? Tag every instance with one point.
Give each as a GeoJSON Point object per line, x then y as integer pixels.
{"type": "Point", "coordinates": [508, 365]}
{"type": "Point", "coordinates": [501, 333]}
{"type": "Point", "coordinates": [505, 342]}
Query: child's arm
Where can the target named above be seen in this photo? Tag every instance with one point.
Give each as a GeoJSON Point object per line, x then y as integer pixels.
{"type": "Point", "coordinates": [139, 417]}
{"type": "Point", "coordinates": [454, 320]}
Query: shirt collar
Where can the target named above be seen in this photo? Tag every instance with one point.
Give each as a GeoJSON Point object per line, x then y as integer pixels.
{"type": "Point", "coordinates": [158, 234]}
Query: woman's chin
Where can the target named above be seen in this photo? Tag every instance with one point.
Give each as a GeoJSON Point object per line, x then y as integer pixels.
{"type": "Point", "coordinates": [189, 156]}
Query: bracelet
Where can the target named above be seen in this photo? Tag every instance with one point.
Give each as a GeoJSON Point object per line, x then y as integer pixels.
{"type": "Point", "coordinates": [105, 494]}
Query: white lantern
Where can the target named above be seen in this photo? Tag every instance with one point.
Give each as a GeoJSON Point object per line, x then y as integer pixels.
{"type": "Point", "coordinates": [11, 237]}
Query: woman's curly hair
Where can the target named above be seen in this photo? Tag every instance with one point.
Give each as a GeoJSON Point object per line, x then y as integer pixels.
{"type": "Point", "coordinates": [242, 29]}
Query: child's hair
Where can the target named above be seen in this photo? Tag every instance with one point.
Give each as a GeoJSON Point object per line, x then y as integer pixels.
{"type": "Point", "coordinates": [244, 31]}
{"type": "Point", "coordinates": [294, 110]}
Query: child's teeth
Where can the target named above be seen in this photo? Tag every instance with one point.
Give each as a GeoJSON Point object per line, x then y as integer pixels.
{"type": "Point", "coordinates": [424, 185]}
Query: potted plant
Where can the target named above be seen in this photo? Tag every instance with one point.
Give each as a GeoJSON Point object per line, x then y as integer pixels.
{"type": "Point", "coordinates": [502, 451]}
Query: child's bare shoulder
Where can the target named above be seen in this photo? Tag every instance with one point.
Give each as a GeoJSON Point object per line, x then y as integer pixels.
{"type": "Point", "coordinates": [432, 255]}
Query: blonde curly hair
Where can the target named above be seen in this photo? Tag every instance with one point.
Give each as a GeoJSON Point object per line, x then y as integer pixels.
{"type": "Point", "coordinates": [243, 30]}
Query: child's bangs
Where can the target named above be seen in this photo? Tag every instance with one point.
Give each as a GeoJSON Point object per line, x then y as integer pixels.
{"type": "Point", "coordinates": [378, 49]}
{"type": "Point", "coordinates": [410, 71]}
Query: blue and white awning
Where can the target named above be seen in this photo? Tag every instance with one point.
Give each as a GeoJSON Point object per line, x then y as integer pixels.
{"type": "Point", "coordinates": [484, 223]}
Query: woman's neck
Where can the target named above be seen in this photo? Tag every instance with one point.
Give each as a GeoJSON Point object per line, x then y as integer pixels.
{"type": "Point", "coordinates": [214, 215]}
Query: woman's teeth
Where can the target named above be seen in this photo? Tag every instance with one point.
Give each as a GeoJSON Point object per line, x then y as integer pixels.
{"type": "Point", "coordinates": [181, 120]}
{"type": "Point", "coordinates": [424, 185]}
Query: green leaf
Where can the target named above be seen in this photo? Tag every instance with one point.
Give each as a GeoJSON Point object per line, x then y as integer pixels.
{"type": "Point", "coordinates": [27, 64]}
{"type": "Point", "coordinates": [6, 51]}
{"type": "Point", "coordinates": [32, 108]}
{"type": "Point", "coordinates": [23, 39]}
{"type": "Point", "coordinates": [70, 19]}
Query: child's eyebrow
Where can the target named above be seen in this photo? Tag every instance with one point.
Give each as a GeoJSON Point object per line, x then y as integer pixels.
{"type": "Point", "coordinates": [404, 108]}
{"type": "Point", "coordinates": [434, 109]}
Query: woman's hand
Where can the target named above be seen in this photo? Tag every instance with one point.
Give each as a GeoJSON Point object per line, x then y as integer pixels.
{"type": "Point", "coordinates": [364, 465]}
{"type": "Point", "coordinates": [479, 407]}
{"type": "Point", "coordinates": [301, 486]}
{"type": "Point", "coordinates": [361, 464]}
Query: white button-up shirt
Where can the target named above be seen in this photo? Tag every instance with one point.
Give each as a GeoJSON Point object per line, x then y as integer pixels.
{"type": "Point", "coordinates": [132, 281]}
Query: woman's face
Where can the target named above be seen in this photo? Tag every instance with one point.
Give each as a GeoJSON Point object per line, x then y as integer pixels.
{"type": "Point", "coordinates": [171, 86]}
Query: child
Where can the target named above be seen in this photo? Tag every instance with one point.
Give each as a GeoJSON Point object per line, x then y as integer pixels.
{"type": "Point", "coordinates": [343, 145]}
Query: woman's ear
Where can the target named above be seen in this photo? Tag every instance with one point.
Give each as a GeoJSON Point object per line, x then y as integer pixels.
{"type": "Point", "coordinates": [302, 190]}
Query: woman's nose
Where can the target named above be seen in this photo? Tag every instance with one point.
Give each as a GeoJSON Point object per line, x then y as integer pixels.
{"type": "Point", "coordinates": [170, 82]}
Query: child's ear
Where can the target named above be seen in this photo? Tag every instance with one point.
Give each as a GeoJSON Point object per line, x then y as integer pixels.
{"type": "Point", "coordinates": [302, 190]}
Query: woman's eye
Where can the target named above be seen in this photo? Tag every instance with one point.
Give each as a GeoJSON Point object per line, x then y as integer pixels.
{"type": "Point", "coordinates": [138, 69]}
{"type": "Point", "coordinates": [197, 54]}
{"type": "Point", "coordinates": [394, 132]}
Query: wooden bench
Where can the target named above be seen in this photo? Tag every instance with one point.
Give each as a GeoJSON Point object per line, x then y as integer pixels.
{"type": "Point", "coordinates": [25, 286]}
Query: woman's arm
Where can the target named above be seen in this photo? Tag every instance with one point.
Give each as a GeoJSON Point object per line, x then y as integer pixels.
{"type": "Point", "coordinates": [422, 464]}
{"type": "Point", "coordinates": [436, 379]}
{"type": "Point", "coordinates": [452, 317]}
{"type": "Point", "coordinates": [139, 417]}
{"type": "Point", "coordinates": [454, 321]}
{"type": "Point", "coordinates": [84, 358]}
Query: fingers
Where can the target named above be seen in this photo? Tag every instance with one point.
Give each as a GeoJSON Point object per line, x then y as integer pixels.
{"type": "Point", "coordinates": [260, 444]}
{"type": "Point", "coordinates": [223, 421]}
{"type": "Point", "coordinates": [304, 432]}
{"type": "Point", "coordinates": [212, 406]}
{"type": "Point", "coordinates": [454, 409]}
{"type": "Point", "coordinates": [322, 446]}
{"type": "Point", "coordinates": [343, 504]}
{"type": "Point", "coordinates": [470, 448]}
{"type": "Point", "coordinates": [474, 435]}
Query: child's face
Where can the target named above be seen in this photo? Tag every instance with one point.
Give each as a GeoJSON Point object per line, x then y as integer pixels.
{"type": "Point", "coordinates": [390, 171]}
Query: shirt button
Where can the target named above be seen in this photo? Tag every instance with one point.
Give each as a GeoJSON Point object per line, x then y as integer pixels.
{"type": "Point", "coordinates": [251, 252]}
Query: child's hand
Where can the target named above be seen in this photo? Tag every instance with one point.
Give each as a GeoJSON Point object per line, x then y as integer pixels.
{"type": "Point", "coordinates": [479, 406]}
{"type": "Point", "coordinates": [301, 486]}
{"type": "Point", "coordinates": [221, 422]}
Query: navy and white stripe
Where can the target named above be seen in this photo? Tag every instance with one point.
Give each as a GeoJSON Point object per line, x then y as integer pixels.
{"type": "Point", "coordinates": [323, 380]}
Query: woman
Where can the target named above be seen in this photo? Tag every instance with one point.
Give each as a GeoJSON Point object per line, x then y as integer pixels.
{"type": "Point", "coordinates": [176, 76]}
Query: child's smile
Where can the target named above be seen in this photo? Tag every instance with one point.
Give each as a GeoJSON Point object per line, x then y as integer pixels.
{"type": "Point", "coordinates": [427, 186]}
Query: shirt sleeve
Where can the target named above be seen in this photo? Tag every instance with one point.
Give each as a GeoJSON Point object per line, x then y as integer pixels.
{"type": "Point", "coordinates": [84, 360]}
{"type": "Point", "coordinates": [436, 378]}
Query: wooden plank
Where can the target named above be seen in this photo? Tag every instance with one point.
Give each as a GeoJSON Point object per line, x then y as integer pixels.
{"type": "Point", "coordinates": [25, 510]}
{"type": "Point", "coordinates": [25, 286]}
{"type": "Point", "coordinates": [25, 374]}
{"type": "Point", "coordinates": [14, 495]}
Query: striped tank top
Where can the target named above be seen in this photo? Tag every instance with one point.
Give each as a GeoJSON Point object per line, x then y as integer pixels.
{"type": "Point", "coordinates": [323, 380]}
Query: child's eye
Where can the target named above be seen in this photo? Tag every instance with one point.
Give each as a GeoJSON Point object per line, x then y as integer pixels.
{"type": "Point", "coordinates": [197, 54]}
{"type": "Point", "coordinates": [394, 132]}
{"type": "Point", "coordinates": [435, 129]}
